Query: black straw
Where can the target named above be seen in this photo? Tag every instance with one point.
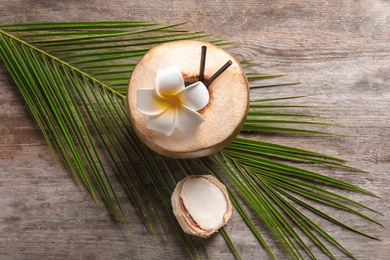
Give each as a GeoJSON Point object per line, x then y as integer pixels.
{"type": "Point", "coordinates": [219, 72]}
{"type": "Point", "coordinates": [202, 63]}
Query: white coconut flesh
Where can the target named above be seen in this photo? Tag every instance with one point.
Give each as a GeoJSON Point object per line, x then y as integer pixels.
{"type": "Point", "coordinates": [201, 205]}
{"type": "Point", "coordinates": [205, 203]}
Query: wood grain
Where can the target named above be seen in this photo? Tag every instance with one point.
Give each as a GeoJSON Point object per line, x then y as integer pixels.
{"type": "Point", "coordinates": [338, 49]}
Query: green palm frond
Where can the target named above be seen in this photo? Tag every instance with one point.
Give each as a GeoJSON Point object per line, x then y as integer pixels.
{"type": "Point", "coordinates": [74, 77]}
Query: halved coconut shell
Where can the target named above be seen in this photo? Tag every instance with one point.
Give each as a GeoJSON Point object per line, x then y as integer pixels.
{"type": "Point", "coordinates": [224, 115]}
{"type": "Point", "coordinates": [201, 205]}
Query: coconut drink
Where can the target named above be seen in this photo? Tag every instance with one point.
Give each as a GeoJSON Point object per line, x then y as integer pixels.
{"type": "Point", "coordinates": [185, 104]}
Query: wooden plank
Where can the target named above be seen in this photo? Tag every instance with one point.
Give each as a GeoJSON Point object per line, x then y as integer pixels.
{"type": "Point", "coordinates": [338, 49]}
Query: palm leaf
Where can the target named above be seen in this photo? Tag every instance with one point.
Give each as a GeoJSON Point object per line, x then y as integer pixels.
{"type": "Point", "coordinates": [74, 76]}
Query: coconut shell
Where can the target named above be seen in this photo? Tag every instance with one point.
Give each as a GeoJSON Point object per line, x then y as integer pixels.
{"type": "Point", "coordinates": [224, 115]}
{"type": "Point", "coordinates": [186, 222]}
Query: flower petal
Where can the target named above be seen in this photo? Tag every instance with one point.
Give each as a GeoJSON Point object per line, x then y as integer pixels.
{"type": "Point", "coordinates": [164, 122]}
{"type": "Point", "coordinates": [149, 102]}
{"type": "Point", "coordinates": [187, 119]}
{"type": "Point", "coordinates": [195, 96]}
{"type": "Point", "coordinates": [168, 82]}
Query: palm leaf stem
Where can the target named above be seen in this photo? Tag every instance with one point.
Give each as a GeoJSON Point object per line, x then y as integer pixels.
{"type": "Point", "coordinates": [38, 110]}
{"type": "Point", "coordinates": [60, 61]}
{"type": "Point", "coordinates": [50, 108]}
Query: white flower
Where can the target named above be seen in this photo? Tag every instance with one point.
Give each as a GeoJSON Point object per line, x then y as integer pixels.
{"type": "Point", "coordinates": [171, 105]}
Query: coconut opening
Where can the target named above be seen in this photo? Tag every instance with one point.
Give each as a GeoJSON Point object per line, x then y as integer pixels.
{"type": "Point", "coordinates": [191, 79]}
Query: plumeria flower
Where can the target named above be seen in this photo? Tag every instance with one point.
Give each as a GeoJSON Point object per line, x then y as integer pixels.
{"type": "Point", "coordinates": [171, 105]}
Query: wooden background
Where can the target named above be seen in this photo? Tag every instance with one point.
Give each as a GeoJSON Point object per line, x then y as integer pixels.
{"type": "Point", "coordinates": [338, 49]}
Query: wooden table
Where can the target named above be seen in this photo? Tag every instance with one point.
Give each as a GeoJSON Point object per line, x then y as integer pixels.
{"type": "Point", "coordinates": [338, 49]}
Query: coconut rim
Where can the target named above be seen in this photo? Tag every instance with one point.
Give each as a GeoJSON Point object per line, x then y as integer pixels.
{"type": "Point", "coordinates": [203, 151]}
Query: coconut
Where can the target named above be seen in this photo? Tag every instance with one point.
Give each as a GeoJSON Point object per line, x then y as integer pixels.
{"type": "Point", "coordinates": [224, 115]}
{"type": "Point", "coordinates": [201, 205]}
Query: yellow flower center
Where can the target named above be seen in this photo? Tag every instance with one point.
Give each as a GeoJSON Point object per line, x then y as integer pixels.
{"type": "Point", "coordinates": [173, 101]}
